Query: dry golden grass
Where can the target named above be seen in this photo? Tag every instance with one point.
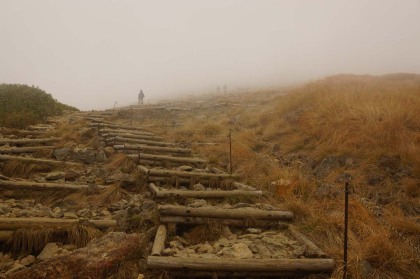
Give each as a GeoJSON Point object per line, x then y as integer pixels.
{"type": "Point", "coordinates": [111, 194]}
{"type": "Point", "coordinates": [119, 161]}
{"type": "Point", "coordinates": [202, 233]}
{"type": "Point", "coordinates": [126, 270]}
{"type": "Point", "coordinates": [357, 114]}
{"type": "Point", "coordinates": [23, 169]}
{"type": "Point", "coordinates": [28, 241]}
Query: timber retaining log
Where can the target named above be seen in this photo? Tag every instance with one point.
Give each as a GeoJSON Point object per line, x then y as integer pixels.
{"type": "Point", "coordinates": [20, 150]}
{"type": "Point", "coordinates": [139, 148]}
{"type": "Point", "coordinates": [217, 212]}
{"type": "Point", "coordinates": [30, 185]}
{"type": "Point", "coordinates": [22, 223]}
{"type": "Point", "coordinates": [37, 160]}
{"type": "Point", "coordinates": [241, 265]}
{"type": "Point", "coordinates": [28, 141]}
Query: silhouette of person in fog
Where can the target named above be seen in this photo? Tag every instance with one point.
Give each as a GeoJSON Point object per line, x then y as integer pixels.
{"type": "Point", "coordinates": [141, 97]}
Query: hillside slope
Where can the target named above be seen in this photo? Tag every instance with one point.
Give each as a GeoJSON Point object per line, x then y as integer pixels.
{"type": "Point", "coordinates": [22, 105]}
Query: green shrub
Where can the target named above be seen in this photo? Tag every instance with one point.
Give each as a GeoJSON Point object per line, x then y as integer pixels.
{"type": "Point", "coordinates": [22, 105]}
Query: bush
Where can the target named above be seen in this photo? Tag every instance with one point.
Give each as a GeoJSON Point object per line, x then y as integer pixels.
{"type": "Point", "coordinates": [22, 105]}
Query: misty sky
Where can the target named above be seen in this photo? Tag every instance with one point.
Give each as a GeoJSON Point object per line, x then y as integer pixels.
{"type": "Point", "coordinates": [91, 53]}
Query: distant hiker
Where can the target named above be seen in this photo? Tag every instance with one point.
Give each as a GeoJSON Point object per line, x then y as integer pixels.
{"type": "Point", "coordinates": [141, 97]}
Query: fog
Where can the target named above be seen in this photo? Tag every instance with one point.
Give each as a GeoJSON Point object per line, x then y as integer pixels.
{"type": "Point", "coordinates": [90, 54]}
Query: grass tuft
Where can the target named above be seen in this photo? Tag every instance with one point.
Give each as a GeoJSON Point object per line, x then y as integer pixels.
{"type": "Point", "coordinates": [30, 241]}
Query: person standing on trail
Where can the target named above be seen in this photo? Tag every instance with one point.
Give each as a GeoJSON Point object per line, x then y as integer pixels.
{"type": "Point", "coordinates": [141, 97]}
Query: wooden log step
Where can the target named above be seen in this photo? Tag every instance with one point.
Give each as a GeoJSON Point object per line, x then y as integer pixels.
{"type": "Point", "coordinates": [162, 158]}
{"type": "Point", "coordinates": [30, 185]}
{"type": "Point", "coordinates": [162, 194]}
{"type": "Point", "coordinates": [241, 223]}
{"type": "Point", "coordinates": [119, 132]}
{"type": "Point", "coordinates": [20, 132]}
{"type": "Point", "coordinates": [171, 179]}
{"type": "Point", "coordinates": [140, 148]}
{"type": "Point", "coordinates": [122, 127]}
{"type": "Point", "coordinates": [93, 118]}
{"type": "Point", "coordinates": [160, 239]}
{"type": "Point", "coordinates": [140, 141]}
{"type": "Point", "coordinates": [4, 235]}
{"type": "Point", "coordinates": [99, 120]}
{"type": "Point", "coordinates": [184, 181]}
{"type": "Point", "coordinates": [237, 274]}
{"type": "Point", "coordinates": [130, 136]}
{"type": "Point", "coordinates": [241, 186]}
{"type": "Point", "coordinates": [32, 222]}
{"type": "Point", "coordinates": [234, 213]}
{"type": "Point", "coordinates": [241, 265]}
{"type": "Point", "coordinates": [37, 160]}
{"type": "Point", "coordinates": [20, 150]}
{"type": "Point", "coordinates": [27, 141]}
{"type": "Point", "coordinates": [99, 113]}
{"type": "Point", "coordinates": [185, 174]}
{"type": "Point", "coordinates": [40, 127]}
{"type": "Point", "coordinates": [157, 152]}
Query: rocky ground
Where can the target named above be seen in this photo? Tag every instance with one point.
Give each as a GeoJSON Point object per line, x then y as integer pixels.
{"type": "Point", "coordinates": [253, 243]}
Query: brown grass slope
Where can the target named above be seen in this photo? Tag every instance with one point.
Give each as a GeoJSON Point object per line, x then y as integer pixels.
{"type": "Point", "coordinates": [367, 126]}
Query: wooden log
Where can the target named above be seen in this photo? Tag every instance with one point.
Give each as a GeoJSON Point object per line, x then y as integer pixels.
{"type": "Point", "coordinates": [241, 265]}
{"type": "Point", "coordinates": [311, 251]}
{"type": "Point", "coordinates": [160, 239]}
{"type": "Point", "coordinates": [140, 148]}
{"type": "Point", "coordinates": [170, 179]}
{"type": "Point", "coordinates": [188, 174]}
{"type": "Point", "coordinates": [153, 189]}
{"type": "Point", "coordinates": [154, 157]}
{"type": "Point", "coordinates": [27, 141]}
{"type": "Point", "coordinates": [235, 274]}
{"type": "Point", "coordinates": [21, 223]}
{"type": "Point", "coordinates": [162, 194]}
{"type": "Point", "coordinates": [100, 113]}
{"type": "Point", "coordinates": [30, 185]}
{"type": "Point", "coordinates": [184, 181]}
{"type": "Point", "coordinates": [122, 127]}
{"type": "Point", "coordinates": [131, 136]}
{"type": "Point", "coordinates": [20, 150]}
{"type": "Point", "coordinates": [94, 118]}
{"type": "Point", "coordinates": [242, 186]}
{"type": "Point", "coordinates": [40, 127]}
{"type": "Point", "coordinates": [206, 143]}
{"type": "Point", "coordinates": [5, 235]}
{"type": "Point", "coordinates": [234, 213]}
{"type": "Point", "coordinates": [143, 169]}
{"type": "Point", "coordinates": [241, 223]}
{"type": "Point", "coordinates": [157, 164]}
{"type": "Point", "coordinates": [37, 160]}
{"type": "Point", "coordinates": [119, 132]}
{"type": "Point", "coordinates": [20, 132]}
{"type": "Point", "coordinates": [140, 141]}
{"type": "Point", "coordinates": [100, 121]}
